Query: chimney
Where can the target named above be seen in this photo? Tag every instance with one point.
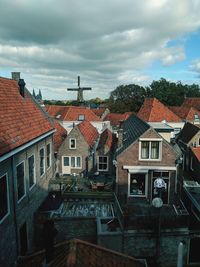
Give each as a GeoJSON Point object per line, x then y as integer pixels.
{"type": "Point", "coordinates": [21, 84]}
{"type": "Point", "coordinates": [15, 76]}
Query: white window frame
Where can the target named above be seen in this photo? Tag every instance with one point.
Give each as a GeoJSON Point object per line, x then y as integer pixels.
{"type": "Point", "coordinates": [146, 184]}
{"type": "Point", "coordinates": [43, 161]}
{"type": "Point", "coordinates": [102, 170]}
{"type": "Point", "coordinates": [19, 200]}
{"type": "Point", "coordinates": [8, 200]}
{"type": "Point", "coordinates": [50, 162]}
{"type": "Point", "coordinates": [34, 173]}
{"type": "Point", "coordinates": [70, 144]}
{"type": "Point", "coordinates": [150, 140]}
{"type": "Point", "coordinates": [70, 162]}
{"type": "Point", "coordinates": [81, 117]}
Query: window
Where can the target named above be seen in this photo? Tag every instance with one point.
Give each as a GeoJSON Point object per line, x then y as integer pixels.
{"type": "Point", "coordinates": [137, 184]}
{"type": "Point", "coordinates": [4, 198]}
{"type": "Point", "coordinates": [31, 171]}
{"type": "Point", "coordinates": [103, 163]}
{"type": "Point", "coordinates": [73, 162]}
{"type": "Point", "coordinates": [48, 155]}
{"type": "Point", "coordinates": [165, 191]}
{"type": "Point", "coordinates": [72, 143]}
{"type": "Point", "coordinates": [42, 161]}
{"type": "Point", "coordinates": [20, 181]}
{"type": "Point", "coordinates": [150, 150]}
{"type": "Point", "coordinates": [81, 117]}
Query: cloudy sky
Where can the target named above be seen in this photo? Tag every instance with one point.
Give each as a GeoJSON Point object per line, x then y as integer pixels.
{"type": "Point", "coordinates": [106, 42]}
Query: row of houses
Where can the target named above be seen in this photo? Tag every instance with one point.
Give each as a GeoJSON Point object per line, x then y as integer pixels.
{"type": "Point", "coordinates": [136, 150]}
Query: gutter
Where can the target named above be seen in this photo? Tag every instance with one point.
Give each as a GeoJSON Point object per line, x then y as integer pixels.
{"type": "Point", "coordinates": [30, 143]}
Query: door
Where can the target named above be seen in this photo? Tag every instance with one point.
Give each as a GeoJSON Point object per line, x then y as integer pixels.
{"type": "Point", "coordinates": [23, 239]}
{"type": "Point", "coordinates": [194, 255]}
{"type": "Point", "coordinates": [66, 167]}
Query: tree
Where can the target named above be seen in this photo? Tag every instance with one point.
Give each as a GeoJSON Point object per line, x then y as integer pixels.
{"type": "Point", "coordinates": [127, 98]}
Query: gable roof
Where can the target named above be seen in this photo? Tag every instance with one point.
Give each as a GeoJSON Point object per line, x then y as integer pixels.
{"type": "Point", "coordinates": [153, 110]}
{"type": "Point", "coordinates": [99, 111]}
{"type": "Point", "coordinates": [192, 102]}
{"type": "Point", "coordinates": [21, 119]}
{"type": "Point", "coordinates": [76, 253]}
{"type": "Point", "coordinates": [116, 118]}
{"type": "Point", "coordinates": [71, 113]}
{"type": "Point", "coordinates": [186, 112]}
{"type": "Point", "coordinates": [106, 139]}
{"type": "Point", "coordinates": [196, 152]}
{"type": "Point", "coordinates": [59, 135]}
{"type": "Point", "coordinates": [133, 128]}
{"type": "Point", "coordinates": [188, 132]}
{"type": "Point", "coordinates": [89, 132]}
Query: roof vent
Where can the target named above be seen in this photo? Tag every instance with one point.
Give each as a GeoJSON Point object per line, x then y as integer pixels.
{"type": "Point", "coordinates": [15, 76]}
{"type": "Point", "coordinates": [21, 84]}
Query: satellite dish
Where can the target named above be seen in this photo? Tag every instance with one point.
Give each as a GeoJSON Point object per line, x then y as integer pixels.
{"type": "Point", "coordinates": [157, 202]}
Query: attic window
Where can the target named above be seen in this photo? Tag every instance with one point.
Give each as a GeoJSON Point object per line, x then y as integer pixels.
{"type": "Point", "coordinates": [196, 117]}
{"type": "Point", "coordinates": [81, 117]}
{"type": "Point", "coordinates": [58, 116]}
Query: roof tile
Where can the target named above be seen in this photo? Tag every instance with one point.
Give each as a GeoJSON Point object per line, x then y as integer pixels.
{"type": "Point", "coordinates": [89, 132]}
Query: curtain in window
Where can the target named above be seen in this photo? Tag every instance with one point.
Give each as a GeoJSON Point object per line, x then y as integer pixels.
{"type": "Point", "coordinates": [145, 149]}
{"type": "Point", "coordinates": [155, 149]}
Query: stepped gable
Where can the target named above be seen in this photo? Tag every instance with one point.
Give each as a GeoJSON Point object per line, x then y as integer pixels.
{"type": "Point", "coordinates": [153, 110]}
{"type": "Point", "coordinates": [89, 132]}
{"type": "Point", "coordinates": [21, 118]}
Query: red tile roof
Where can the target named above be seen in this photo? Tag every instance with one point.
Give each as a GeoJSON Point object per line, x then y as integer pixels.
{"type": "Point", "coordinates": [59, 135]}
{"type": "Point", "coordinates": [116, 118]}
{"type": "Point", "coordinates": [192, 102]}
{"type": "Point", "coordinates": [89, 132]}
{"type": "Point", "coordinates": [186, 112]}
{"type": "Point", "coordinates": [21, 119]}
{"type": "Point", "coordinates": [153, 110]}
{"type": "Point", "coordinates": [196, 151]}
{"type": "Point", "coordinates": [99, 111]}
{"type": "Point", "coordinates": [71, 113]}
{"type": "Point", "coordinates": [76, 253]}
{"type": "Point", "coordinates": [106, 139]}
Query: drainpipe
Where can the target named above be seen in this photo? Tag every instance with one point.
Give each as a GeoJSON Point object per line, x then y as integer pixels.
{"type": "Point", "coordinates": [14, 205]}
{"type": "Point", "coordinates": [180, 255]}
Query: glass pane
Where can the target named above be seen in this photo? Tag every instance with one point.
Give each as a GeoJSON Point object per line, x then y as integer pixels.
{"type": "Point", "coordinates": [31, 170]}
{"type": "Point", "coordinates": [41, 161]}
{"type": "Point", "coordinates": [154, 149]}
{"type": "Point", "coordinates": [78, 162]}
{"type": "Point", "coordinates": [72, 161]}
{"type": "Point", "coordinates": [3, 197]}
{"type": "Point", "coordinates": [144, 149]}
{"type": "Point", "coordinates": [66, 161]}
{"type": "Point", "coordinates": [137, 184]}
{"type": "Point", "coordinates": [48, 156]}
{"type": "Point", "coordinates": [20, 181]}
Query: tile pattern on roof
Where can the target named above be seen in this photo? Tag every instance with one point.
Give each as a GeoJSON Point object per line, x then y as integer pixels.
{"type": "Point", "coordinates": [59, 135]}
{"type": "Point", "coordinates": [192, 102]}
{"type": "Point", "coordinates": [21, 119]}
{"type": "Point", "coordinates": [75, 253]}
{"type": "Point", "coordinates": [89, 132]}
{"type": "Point", "coordinates": [153, 110]}
{"type": "Point", "coordinates": [186, 112]}
{"type": "Point", "coordinates": [133, 128]}
{"type": "Point", "coordinates": [99, 111]}
{"type": "Point", "coordinates": [116, 118]}
{"type": "Point", "coordinates": [196, 151]}
{"type": "Point", "coordinates": [71, 113]}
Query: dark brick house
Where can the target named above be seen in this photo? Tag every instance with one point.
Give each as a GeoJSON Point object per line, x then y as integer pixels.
{"type": "Point", "coordinates": [26, 165]}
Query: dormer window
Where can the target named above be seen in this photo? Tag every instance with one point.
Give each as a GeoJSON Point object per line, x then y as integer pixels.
{"type": "Point", "coordinates": [150, 149]}
{"type": "Point", "coordinates": [72, 143]}
{"type": "Point", "coordinates": [81, 117]}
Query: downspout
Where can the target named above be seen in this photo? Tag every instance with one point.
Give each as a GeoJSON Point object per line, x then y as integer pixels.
{"type": "Point", "coordinates": [14, 205]}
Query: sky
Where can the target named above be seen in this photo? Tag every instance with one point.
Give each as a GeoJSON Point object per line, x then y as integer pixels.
{"type": "Point", "coordinates": [107, 42]}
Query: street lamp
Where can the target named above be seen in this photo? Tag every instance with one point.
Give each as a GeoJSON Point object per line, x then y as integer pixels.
{"type": "Point", "coordinates": [159, 185]}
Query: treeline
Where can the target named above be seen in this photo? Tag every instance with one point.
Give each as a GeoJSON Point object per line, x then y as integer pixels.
{"type": "Point", "coordinates": [131, 97]}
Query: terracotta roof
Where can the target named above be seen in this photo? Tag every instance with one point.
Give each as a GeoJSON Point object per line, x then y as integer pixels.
{"type": "Point", "coordinates": [100, 111]}
{"type": "Point", "coordinates": [116, 118]}
{"type": "Point", "coordinates": [21, 119]}
{"type": "Point", "coordinates": [196, 151]}
{"type": "Point", "coordinates": [192, 102]}
{"type": "Point", "coordinates": [153, 110]}
{"type": "Point", "coordinates": [59, 135]}
{"type": "Point", "coordinates": [89, 132]}
{"type": "Point", "coordinates": [76, 253]}
{"type": "Point", "coordinates": [71, 113]}
{"type": "Point", "coordinates": [106, 139]}
{"type": "Point", "coordinates": [186, 112]}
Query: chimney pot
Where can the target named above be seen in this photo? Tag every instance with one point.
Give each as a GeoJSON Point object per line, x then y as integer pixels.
{"type": "Point", "coordinates": [16, 76]}
{"type": "Point", "coordinates": [21, 84]}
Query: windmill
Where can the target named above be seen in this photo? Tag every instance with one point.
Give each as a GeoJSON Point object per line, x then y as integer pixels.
{"type": "Point", "coordinates": [80, 91]}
